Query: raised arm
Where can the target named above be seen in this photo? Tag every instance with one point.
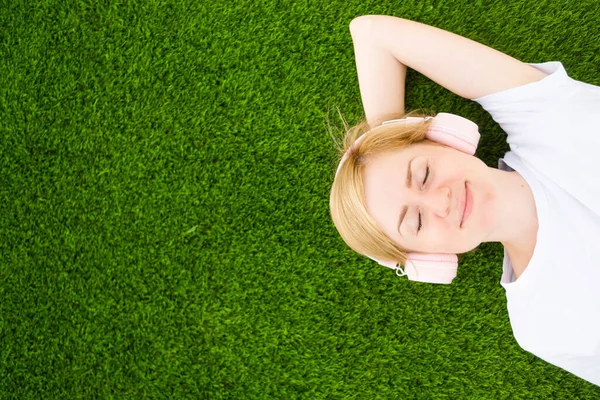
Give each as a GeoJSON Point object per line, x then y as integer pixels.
{"type": "Point", "coordinates": [384, 46]}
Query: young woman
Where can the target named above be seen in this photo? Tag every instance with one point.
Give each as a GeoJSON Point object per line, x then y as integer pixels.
{"type": "Point", "coordinates": [400, 192]}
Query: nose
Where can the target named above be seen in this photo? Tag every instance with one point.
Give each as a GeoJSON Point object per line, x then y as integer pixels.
{"type": "Point", "coordinates": [438, 200]}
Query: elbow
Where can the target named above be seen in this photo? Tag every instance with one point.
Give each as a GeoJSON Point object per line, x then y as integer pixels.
{"type": "Point", "coordinates": [361, 24]}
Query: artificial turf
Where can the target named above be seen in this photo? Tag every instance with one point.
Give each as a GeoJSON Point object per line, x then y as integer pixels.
{"type": "Point", "coordinates": [164, 231]}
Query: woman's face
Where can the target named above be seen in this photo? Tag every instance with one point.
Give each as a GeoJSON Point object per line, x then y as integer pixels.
{"type": "Point", "coordinates": [440, 201]}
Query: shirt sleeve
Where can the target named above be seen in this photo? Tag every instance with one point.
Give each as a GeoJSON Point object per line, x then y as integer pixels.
{"type": "Point", "coordinates": [530, 91]}
{"type": "Point", "coordinates": [519, 109]}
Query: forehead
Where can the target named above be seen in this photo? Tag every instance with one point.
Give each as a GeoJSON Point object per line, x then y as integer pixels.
{"type": "Point", "coordinates": [384, 182]}
{"type": "Point", "coordinates": [393, 165]}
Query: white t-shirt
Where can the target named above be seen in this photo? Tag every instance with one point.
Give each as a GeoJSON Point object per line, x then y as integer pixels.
{"type": "Point", "coordinates": [553, 129]}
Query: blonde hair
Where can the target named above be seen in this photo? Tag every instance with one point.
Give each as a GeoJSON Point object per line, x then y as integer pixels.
{"type": "Point", "coordinates": [347, 202]}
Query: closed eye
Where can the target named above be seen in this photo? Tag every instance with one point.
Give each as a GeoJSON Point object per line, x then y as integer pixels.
{"type": "Point", "coordinates": [424, 181]}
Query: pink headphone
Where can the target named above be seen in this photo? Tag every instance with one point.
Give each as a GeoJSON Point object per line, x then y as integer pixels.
{"type": "Point", "coordinates": [461, 134]}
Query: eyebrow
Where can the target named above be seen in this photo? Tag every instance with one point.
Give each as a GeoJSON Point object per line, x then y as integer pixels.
{"type": "Point", "coordinates": [408, 185]}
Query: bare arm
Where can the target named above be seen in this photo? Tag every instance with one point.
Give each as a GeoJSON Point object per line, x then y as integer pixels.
{"type": "Point", "coordinates": [384, 46]}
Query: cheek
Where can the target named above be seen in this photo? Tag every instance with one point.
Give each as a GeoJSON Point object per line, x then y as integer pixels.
{"type": "Point", "coordinates": [439, 237]}
{"type": "Point", "coordinates": [485, 208]}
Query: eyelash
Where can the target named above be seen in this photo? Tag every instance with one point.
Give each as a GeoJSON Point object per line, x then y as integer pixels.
{"type": "Point", "coordinates": [424, 181]}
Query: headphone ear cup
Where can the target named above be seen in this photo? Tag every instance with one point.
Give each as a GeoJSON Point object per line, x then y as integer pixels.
{"type": "Point", "coordinates": [454, 131]}
{"type": "Point", "coordinates": [431, 268]}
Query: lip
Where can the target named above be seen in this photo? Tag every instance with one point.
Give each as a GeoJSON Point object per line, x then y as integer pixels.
{"type": "Point", "coordinates": [467, 205]}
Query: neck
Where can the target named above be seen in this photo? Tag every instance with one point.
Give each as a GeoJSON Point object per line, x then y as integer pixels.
{"type": "Point", "coordinates": [516, 222]}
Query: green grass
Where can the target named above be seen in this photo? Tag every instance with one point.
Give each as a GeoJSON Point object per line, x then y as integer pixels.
{"type": "Point", "coordinates": [164, 230]}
